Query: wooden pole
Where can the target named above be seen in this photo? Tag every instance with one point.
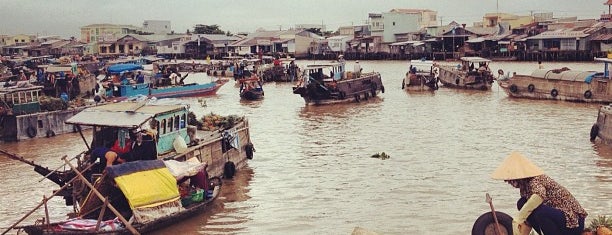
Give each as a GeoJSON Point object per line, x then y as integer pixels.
{"type": "Point", "coordinates": [101, 214]}
{"type": "Point", "coordinates": [46, 211]}
{"type": "Point", "coordinates": [41, 203]}
{"type": "Point", "coordinates": [95, 191]}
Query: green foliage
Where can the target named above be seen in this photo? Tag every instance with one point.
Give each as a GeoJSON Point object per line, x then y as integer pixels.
{"type": "Point", "coordinates": [600, 221]}
{"type": "Point", "coordinates": [381, 156]}
{"type": "Point", "coordinates": [207, 29]}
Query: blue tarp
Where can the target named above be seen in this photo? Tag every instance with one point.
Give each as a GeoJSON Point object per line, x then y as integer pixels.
{"type": "Point", "coordinates": [119, 68]}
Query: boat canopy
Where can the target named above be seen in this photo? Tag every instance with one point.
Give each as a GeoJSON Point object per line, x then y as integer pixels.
{"type": "Point", "coordinates": [121, 115]}
{"type": "Point", "coordinates": [119, 68]}
{"type": "Point", "coordinates": [475, 59]}
{"type": "Point", "coordinates": [565, 75]}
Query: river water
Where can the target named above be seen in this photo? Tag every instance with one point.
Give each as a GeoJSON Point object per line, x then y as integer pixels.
{"type": "Point", "coordinates": [313, 173]}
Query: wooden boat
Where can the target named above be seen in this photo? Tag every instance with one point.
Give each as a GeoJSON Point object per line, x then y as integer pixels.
{"type": "Point", "coordinates": [251, 88]}
{"type": "Point", "coordinates": [420, 76]}
{"type": "Point", "coordinates": [169, 139]}
{"type": "Point", "coordinates": [466, 75]}
{"type": "Point", "coordinates": [561, 84]}
{"type": "Point", "coordinates": [163, 89]}
{"type": "Point", "coordinates": [318, 88]}
{"type": "Point", "coordinates": [601, 128]}
{"type": "Point", "coordinates": [22, 116]}
{"type": "Point", "coordinates": [172, 211]}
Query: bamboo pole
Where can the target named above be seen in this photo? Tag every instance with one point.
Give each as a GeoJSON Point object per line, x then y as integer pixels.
{"type": "Point", "coordinates": [46, 211]}
{"type": "Point", "coordinates": [41, 203]}
{"type": "Point", "coordinates": [95, 191]}
{"type": "Point", "coordinates": [101, 215]}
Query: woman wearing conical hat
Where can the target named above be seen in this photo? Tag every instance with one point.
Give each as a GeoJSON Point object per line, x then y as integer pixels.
{"type": "Point", "coordinates": [545, 205]}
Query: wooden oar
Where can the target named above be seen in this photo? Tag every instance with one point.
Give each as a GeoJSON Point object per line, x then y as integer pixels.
{"type": "Point", "coordinates": [490, 201]}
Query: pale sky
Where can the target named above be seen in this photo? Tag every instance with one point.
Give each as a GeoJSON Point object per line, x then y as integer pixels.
{"type": "Point", "coordinates": [65, 17]}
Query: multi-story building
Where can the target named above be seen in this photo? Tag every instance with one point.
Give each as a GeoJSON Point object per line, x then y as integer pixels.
{"type": "Point", "coordinates": [99, 32]}
{"type": "Point", "coordinates": [493, 19]}
{"type": "Point", "coordinates": [377, 24]}
{"type": "Point", "coordinates": [157, 26]}
{"type": "Point", "coordinates": [402, 21]}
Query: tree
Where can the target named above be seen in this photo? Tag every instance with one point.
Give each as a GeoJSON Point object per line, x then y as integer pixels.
{"type": "Point", "coordinates": [207, 29]}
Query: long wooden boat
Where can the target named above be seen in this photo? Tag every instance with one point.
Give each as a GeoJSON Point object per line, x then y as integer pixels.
{"type": "Point", "coordinates": [562, 84]}
{"type": "Point", "coordinates": [114, 226]}
{"type": "Point", "coordinates": [22, 116]}
{"type": "Point", "coordinates": [317, 87]}
{"type": "Point", "coordinates": [420, 76]}
{"type": "Point", "coordinates": [169, 139]}
{"type": "Point", "coordinates": [466, 75]}
{"type": "Point", "coordinates": [162, 90]}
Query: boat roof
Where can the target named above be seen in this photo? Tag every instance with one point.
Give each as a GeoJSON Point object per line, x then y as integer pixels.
{"type": "Point", "coordinates": [475, 59]}
{"type": "Point", "coordinates": [12, 89]}
{"type": "Point", "coordinates": [56, 68]}
{"type": "Point", "coordinates": [119, 68]}
{"type": "Point", "coordinates": [606, 60]}
{"type": "Point", "coordinates": [122, 114]}
{"type": "Point", "coordinates": [567, 75]}
{"type": "Point", "coordinates": [322, 66]}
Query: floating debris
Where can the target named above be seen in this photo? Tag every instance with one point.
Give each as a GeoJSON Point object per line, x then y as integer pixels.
{"type": "Point", "coordinates": [381, 156]}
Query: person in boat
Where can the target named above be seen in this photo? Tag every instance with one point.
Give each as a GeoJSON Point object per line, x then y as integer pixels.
{"type": "Point", "coordinates": [143, 147]}
{"type": "Point", "coordinates": [357, 69]}
{"type": "Point", "coordinates": [544, 205]}
{"type": "Point", "coordinates": [140, 77]}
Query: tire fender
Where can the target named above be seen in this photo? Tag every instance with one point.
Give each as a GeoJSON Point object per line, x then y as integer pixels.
{"type": "Point", "coordinates": [531, 88]}
{"type": "Point", "coordinates": [554, 93]}
{"type": "Point", "coordinates": [31, 132]}
{"type": "Point", "coordinates": [594, 132]}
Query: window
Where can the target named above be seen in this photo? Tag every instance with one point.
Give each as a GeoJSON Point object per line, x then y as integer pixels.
{"type": "Point", "coordinates": [177, 122]}
{"type": "Point", "coordinates": [393, 23]}
{"type": "Point", "coordinates": [170, 122]}
{"type": "Point", "coordinates": [163, 124]}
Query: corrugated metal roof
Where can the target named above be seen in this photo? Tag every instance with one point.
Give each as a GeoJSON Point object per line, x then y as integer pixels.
{"type": "Point", "coordinates": [603, 37]}
{"type": "Point", "coordinates": [123, 114]}
{"type": "Point", "coordinates": [559, 34]}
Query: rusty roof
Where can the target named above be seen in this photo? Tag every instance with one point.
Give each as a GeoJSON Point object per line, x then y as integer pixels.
{"type": "Point", "coordinates": [122, 114]}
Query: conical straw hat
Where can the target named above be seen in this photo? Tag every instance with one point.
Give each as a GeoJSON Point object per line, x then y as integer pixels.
{"type": "Point", "coordinates": [516, 166]}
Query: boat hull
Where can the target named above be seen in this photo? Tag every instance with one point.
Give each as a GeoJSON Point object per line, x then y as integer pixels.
{"type": "Point", "coordinates": [454, 78]}
{"type": "Point", "coordinates": [252, 95]}
{"type": "Point", "coordinates": [602, 129]}
{"type": "Point", "coordinates": [419, 82]}
{"type": "Point", "coordinates": [347, 90]}
{"type": "Point", "coordinates": [162, 222]}
{"type": "Point", "coordinates": [530, 87]}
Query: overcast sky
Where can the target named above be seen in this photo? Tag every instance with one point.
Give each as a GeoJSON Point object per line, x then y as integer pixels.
{"type": "Point", "coordinates": [65, 17]}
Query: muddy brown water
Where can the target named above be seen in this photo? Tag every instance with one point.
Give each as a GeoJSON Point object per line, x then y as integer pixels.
{"type": "Point", "coordinates": [312, 172]}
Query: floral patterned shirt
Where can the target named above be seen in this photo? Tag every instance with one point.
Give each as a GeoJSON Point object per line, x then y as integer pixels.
{"type": "Point", "coordinates": [556, 196]}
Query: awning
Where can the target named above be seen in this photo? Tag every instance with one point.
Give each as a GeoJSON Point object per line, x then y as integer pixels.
{"type": "Point", "coordinates": [118, 68]}
{"type": "Point", "coordinates": [122, 114]}
{"type": "Point", "coordinates": [475, 40]}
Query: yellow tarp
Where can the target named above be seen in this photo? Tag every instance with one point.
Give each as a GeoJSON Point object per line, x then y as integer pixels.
{"type": "Point", "coordinates": [148, 188]}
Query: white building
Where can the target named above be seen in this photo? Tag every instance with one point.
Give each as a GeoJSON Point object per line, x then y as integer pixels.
{"type": "Point", "coordinates": [377, 24]}
{"type": "Point", "coordinates": [402, 21]}
{"type": "Point", "coordinates": [157, 26]}
{"type": "Point", "coordinates": [338, 43]}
